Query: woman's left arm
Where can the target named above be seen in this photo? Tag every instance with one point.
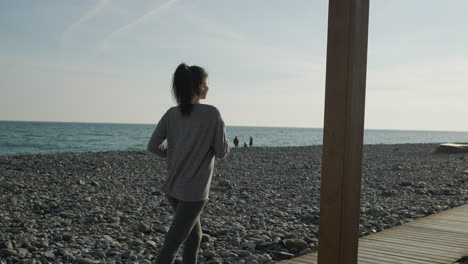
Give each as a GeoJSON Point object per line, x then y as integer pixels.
{"type": "Point", "coordinates": [156, 144]}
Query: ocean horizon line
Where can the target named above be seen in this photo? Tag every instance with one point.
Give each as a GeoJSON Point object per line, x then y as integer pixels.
{"type": "Point", "coordinates": [247, 126]}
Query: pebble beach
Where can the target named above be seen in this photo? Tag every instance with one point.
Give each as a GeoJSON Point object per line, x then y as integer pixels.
{"type": "Point", "coordinates": [106, 207]}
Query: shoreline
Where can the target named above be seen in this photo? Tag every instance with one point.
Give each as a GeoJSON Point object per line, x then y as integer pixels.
{"type": "Point", "coordinates": [106, 206]}
{"type": "Point", "coordinates": [231, 148]}
{"type": "Point", "coordinates": [227, 125]}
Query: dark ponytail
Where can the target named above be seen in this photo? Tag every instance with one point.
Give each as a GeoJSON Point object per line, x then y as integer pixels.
{"type": "Point", "coordinates": [186, 84]}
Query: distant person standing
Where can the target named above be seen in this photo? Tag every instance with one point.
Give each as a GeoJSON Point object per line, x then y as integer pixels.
{"type": "Point", "coordinates": [251, 142]}
{"type": "Point", "coordinates": [236, 142]}
{"type": "Point", "coordinates": [245, 144]}
{"type": "Point", "coordinates": [195, 135]}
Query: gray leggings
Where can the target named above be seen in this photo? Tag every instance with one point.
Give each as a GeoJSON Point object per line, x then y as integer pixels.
{"type": "Point", "coordinates": [185, 227]}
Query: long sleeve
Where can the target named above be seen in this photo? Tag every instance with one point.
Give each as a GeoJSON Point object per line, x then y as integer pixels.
{"type": "Point", "coordinates": [156, 144]}
{"type": "Point", "coordinates": [220, 141]}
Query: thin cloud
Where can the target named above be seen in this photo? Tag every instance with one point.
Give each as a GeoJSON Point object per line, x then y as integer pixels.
{"type": "Point", "coordinates": [213, 27]}
{"type": "Point", "coordinates": [91, 13]}
{"type": "Point", "coordinates": [422, 76]}
{"type": "Point", "coordinates": [269, 58]}
{"type": "Point", "coordinates": [105, 42]}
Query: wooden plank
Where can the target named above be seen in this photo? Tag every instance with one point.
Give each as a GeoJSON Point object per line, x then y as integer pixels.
{"type": "Point", "coordinates": [381, 260]}
{"type": "Point", "coordinates": [424, 230]}
{"type": "Point", "coordinates": [448, 214]}
{"type": "Point", "coordinates": [417, 242]}
{"type": "Point", "coordinates": [411, 248]}
{"type": "Point", "coordinates": [291, 261]}
{"type": "Point", "coordinates": [309, 258]}
{"type": "Point", "coordinates": [300, 260]}
{"type": "Point", "coordinates": [399, 243]}
{"type": "Point", "coordinates": [445, 227]}
{"type": "Point", "coordinates": [448, 221]}
{"type": "Point", "coordinates": [392, 258]}
{"type": "Point", "coordinates": [418, 230]}
{"type": "Point", "coordinates": [297, 261]}
{"type": "Point", "coordinates": [455, 229]}
{"type": "Point", "coordinates": [451, 219]}
{"type": "Point", "coordinates": [365, 261]}
{"type": "Point", "coordinates": [445, 223]}
{"type": "Point", "coordinates": [409, 251]}
{"type": "Point", "coordinates": [343, 131]}
{"type": "Point", "coordinates": [451, 212]}
{"type": "Point", "coordinates": [405, 253]}
{"type": "Point", "coordinates": [430, 237]}
{"type": "Point", "coordinates": [398, 246]}
{"type": "Point", "coordinates": [456, 218]}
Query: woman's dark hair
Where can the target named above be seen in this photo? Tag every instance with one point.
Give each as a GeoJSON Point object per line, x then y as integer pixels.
{"type": "Point", "coordinates": [186, 84]}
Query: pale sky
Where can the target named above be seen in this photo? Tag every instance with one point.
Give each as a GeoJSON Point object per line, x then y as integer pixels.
{"type": "Point", "coordinates": [112, 60]}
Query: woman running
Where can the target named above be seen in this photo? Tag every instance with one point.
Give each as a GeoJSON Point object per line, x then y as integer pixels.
{"type": "Point", "coordinates": [195, 135]}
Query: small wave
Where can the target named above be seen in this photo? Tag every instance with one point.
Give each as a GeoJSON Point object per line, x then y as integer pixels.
{"type": "Point", "coordinates": [26, 137]}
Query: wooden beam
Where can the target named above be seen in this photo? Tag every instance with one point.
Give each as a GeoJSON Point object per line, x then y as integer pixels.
{"type": "Point", "coordinates": [343, 131]}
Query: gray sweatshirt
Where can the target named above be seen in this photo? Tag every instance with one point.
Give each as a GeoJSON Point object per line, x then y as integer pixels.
{"type": "Point", "coordinates": [193, 142]}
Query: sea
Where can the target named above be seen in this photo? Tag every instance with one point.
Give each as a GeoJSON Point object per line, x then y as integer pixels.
{"type": "Point", "coordinates": [19, 137]}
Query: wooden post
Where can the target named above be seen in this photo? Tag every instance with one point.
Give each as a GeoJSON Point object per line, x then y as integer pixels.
{"type": "Point", "coordinates": [343, 131]}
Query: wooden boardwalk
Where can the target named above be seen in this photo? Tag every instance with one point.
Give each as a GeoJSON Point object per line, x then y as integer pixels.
{"type": "Point", "coordinates": [439, 238]}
